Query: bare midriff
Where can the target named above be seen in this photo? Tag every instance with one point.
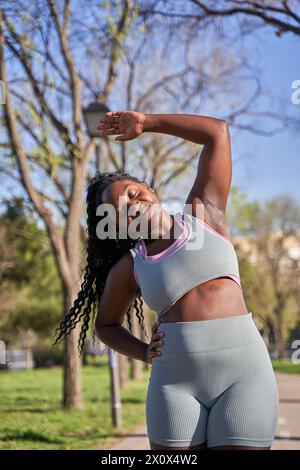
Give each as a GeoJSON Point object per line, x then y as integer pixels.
{"type": "Point", "coordinates": [216, 298]}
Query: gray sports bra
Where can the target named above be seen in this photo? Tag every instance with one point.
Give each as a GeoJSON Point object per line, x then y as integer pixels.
{"type": "Point", "coordinates": [198, 255]}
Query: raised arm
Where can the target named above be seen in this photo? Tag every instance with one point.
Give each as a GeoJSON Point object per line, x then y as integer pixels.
{"type": "Point", "coordinates": [214, 172]}
{"type": "Point", "coordinates": [213, 179]}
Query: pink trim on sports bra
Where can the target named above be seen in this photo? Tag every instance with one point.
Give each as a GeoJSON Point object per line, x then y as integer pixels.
{"type": "Point", "coordinates": [213, 230]}
{"type": "Point", "coordinates": [235, 278]}
{"type": "Point", "coordinates": [163, 254]}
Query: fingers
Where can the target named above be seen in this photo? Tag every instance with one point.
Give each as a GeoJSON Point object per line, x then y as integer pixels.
{"type": "Point", "coordinates": [103, 125]}
{"type": "Point", "coordinates": [111, 126]}
{"type": "Point", "coordinates": [156, 344]}
{"type": "Point", "coordinates": [158, 335]}
{"type": "Point", "coordinates": [111, 120]}
{"type": "Point", "coordinates": [157, 340]}
{"type": "Point", "coordinates": [112, 116]}
{"type": "Point", "coordinates": [153, 352]}
{"type": "Point", "coordinates": [156, 325]}
{"type": "Point", "coordinates": [114, 113]}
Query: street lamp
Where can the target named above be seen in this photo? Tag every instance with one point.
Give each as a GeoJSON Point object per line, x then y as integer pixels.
{"type": "Point", "coordinates": [92, 115]}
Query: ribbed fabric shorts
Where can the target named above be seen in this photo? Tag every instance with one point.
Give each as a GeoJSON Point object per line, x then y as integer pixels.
{"type": "Point", "coordinates": [213, 382]}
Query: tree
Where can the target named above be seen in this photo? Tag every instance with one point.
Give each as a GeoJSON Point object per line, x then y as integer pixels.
{"type": "Point", "coordinates": [283, 15]}
{"type": "Point", "coordinates": [54, 58]}
{"type": "Point", "coordinates": [268, 264]}
{"type": "Point", "coordinates": [234, 20]}
{"type": "Point", "coordinates": [30, 290]}
{"type": "Point", "coordinates": [65, 245]}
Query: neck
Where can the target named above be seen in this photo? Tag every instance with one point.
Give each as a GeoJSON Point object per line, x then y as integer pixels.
{"type": "Point", "coordinates": [165, 229]}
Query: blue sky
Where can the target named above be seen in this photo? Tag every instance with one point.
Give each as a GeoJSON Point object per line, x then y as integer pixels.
{"type": "Point", "coordinates": [270, 166]}
{"type": "Point", "coordinates": [265, 167]}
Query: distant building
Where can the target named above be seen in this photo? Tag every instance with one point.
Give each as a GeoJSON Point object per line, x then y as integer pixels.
{"type": "Point", "coordinates": [290, 244]}
{"type": "Point", "coordinates": [16, 359]}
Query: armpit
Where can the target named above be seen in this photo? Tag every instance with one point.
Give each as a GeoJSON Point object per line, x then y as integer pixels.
{"type": "Point", "coordinates": [215, 218]}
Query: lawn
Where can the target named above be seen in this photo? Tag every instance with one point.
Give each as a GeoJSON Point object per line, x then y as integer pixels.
{"type": "Point", "coordinates": [31, 416]}
{"type": "Point", "coordinates": [286, 366]}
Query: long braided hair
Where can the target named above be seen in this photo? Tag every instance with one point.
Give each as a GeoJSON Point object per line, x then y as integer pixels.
{"type": "Point", "coordinates": [102, 254]}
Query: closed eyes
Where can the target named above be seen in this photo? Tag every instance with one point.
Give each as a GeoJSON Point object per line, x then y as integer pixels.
{"type": "Point", "coordinates": [134, 196]}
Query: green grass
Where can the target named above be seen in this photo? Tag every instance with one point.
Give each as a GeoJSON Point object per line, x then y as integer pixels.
{"type": "Point", "coordinates": [32, 417]}
{"type": "Point", "coordinates": [286, 366]}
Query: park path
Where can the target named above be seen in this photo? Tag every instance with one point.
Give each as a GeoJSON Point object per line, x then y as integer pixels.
{"type": "Point", "coordinates": [288, 429]}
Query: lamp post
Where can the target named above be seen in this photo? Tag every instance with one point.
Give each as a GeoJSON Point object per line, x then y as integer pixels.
{"type": "Point", "coordinates": [92, 115]}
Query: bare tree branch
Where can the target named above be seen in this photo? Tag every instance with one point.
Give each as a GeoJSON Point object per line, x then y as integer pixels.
{"type": "Point", "coordinates": [25, 61]}
{"type": "Point", "coordinates": [74, 79]}
{"type": "Point", "coordinates": [36, 199]}
{"type": "Point", "coordinates": [260, 10]}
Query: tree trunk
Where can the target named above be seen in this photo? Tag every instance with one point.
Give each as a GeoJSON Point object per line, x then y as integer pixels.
{"type": "Point", "coordinates": [136, 369]}
{"type": "Point", "coordinates": [280, 344]}
{"type": "Point", "coordinates": [279, 328]}
{"type": "Point", "coordinates": [72, 388]}
{"type": "Point", "coordinates": [123, 370]}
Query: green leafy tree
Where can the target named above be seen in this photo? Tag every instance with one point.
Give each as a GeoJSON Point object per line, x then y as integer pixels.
{"type": "Point", "coordinates": [31, 292]}
{"type": "Point", "coordinates": [269, 264]}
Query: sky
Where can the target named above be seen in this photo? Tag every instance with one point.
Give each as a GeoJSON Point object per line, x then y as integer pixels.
{"type": "Point", "coordinates": [269, 166]}
{"type": "Point", "coordinates": [265, 167]}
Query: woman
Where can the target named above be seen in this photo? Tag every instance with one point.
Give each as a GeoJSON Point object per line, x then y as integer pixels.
{"type": "Point", "coordinates": [212, 384]}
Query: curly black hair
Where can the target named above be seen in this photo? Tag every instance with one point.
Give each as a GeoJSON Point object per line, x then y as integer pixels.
{"type": "Point", "coordinates": [102, 254]}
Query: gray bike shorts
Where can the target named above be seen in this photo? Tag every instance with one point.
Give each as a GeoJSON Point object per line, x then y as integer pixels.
{"type": "Point", "coordinates": [213, 382]}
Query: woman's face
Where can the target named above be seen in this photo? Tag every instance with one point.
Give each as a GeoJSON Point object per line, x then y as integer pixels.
{"type": "Point", "coordinates": [127, 194]}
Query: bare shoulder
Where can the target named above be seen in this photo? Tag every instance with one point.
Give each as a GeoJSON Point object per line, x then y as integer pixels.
{"type": "Point", "coordinates": [124, 269]}
{"type": "Point", "coordinates": [118, 294]}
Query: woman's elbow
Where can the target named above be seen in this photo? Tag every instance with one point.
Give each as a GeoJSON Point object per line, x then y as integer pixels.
{"type": "Point", "coordinates": [102, 330]}
{"type": "Point", "coordinates": [222, 132]}
{"type": "Point", "coordinates": [224, 127]}
{"type": "Point", "coordinates": [99, 330]}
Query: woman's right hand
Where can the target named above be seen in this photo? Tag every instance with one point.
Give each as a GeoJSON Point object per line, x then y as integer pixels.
{"type": "Point", "coordinates": [127, 123]}
{"type": "Point", "coordinates": [156, 341]}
